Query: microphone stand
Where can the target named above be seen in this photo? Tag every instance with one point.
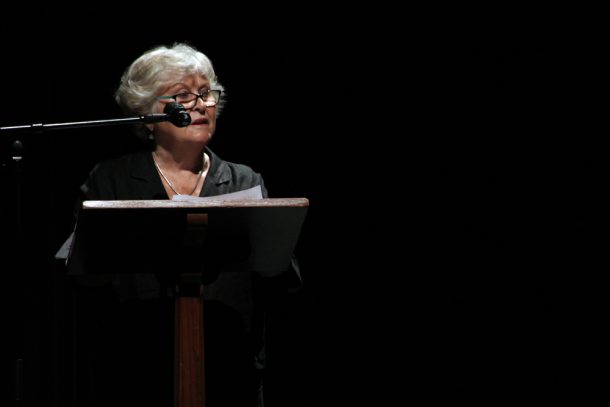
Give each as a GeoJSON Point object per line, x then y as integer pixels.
{"type": "Point", "coordinates": [15, 258]}
{"type": "Point", "coordinates": [174, 113]}
{"type": "Point", "coordinates": [39, 127]}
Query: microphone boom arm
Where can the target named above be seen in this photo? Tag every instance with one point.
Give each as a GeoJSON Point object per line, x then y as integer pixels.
{"type": "Point", "coordinates": [173, 112]}
{"type": "Point", "coordinates": [39, 127]}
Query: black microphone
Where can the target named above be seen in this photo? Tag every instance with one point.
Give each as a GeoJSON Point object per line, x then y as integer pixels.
{"type": "Point", "coordinates": [177, 114]}
{"type": "Point", "coordinates": [174, 113]}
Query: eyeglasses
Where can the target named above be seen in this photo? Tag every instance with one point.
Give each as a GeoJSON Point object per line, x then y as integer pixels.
{"type": "Point", "coordinates": [189, 100]}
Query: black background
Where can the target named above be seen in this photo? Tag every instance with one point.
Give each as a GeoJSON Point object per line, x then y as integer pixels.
{"type": "Point", "coordinates": [452, 215]}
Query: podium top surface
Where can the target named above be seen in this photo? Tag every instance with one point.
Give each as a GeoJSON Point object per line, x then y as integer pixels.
{"type": "Point", "coordinates": [203, 203]}
{"type": "Point", "coordinates": [257, 235]}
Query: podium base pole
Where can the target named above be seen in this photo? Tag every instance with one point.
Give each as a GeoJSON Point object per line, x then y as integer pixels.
{"type": "Point", "coordinates": [189, 370]}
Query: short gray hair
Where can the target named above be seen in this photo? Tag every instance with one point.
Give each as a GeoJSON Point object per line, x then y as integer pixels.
{"type": "Point", "coordinates": [160, 67]}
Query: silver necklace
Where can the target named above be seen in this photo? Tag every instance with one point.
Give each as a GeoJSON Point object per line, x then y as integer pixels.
{"type": "Point", "coordinates": [203, 170]}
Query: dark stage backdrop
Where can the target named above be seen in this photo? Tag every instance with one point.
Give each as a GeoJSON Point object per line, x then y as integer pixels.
{"type": "Point", "coordinates": [437, 255]}
{"type": "Point", "coordinates": [301, 110]}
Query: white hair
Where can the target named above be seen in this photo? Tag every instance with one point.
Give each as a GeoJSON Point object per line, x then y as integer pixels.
{"type": "Point", "coordinates": [158, 68]}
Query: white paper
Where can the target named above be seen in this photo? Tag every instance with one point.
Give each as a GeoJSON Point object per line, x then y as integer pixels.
{"type": "Point", "coordinates": [250, 193]}
{"type": "Point", "coordinates": [64, 250]}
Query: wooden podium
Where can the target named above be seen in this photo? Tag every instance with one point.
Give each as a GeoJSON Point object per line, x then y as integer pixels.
{"type": "Point", "coordinates": [254, 235]}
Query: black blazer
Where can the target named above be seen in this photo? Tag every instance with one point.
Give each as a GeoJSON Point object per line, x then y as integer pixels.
{"type": "Point", "coordinates": [134, 176]}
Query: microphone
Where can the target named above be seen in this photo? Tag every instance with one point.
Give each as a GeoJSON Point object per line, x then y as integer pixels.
{"type": "Point", "coordinates": [174, 113]}
{"type": "Point", "coordinates": [177, 114]}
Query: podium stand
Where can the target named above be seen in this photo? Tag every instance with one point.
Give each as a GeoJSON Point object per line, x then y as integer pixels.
{"type": "Point", "coordinates": [255, 235]}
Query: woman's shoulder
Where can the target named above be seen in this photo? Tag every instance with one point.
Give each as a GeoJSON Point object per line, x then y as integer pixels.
{"type": "Point", "coordinates": [113, 177]}
{"type": "Point", "coordinates": [235, 176]}
{"type": "Point", "coordinates": [221, 166]}
{"type": "Point", "coordinates": [124, 164]}
{"type": "Point", "coordinates": [125, 160]}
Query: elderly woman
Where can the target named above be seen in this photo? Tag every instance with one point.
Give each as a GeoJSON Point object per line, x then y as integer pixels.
{"type": "Point", "coordinates": [124, 326]}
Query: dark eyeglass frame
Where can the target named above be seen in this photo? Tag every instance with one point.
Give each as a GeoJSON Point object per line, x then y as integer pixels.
{"type": "Point", "coordinates": [202, 95]}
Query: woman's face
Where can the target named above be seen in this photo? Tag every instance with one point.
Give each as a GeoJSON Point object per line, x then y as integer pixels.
{"type": "Point", "coordinates": [203, 118]}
